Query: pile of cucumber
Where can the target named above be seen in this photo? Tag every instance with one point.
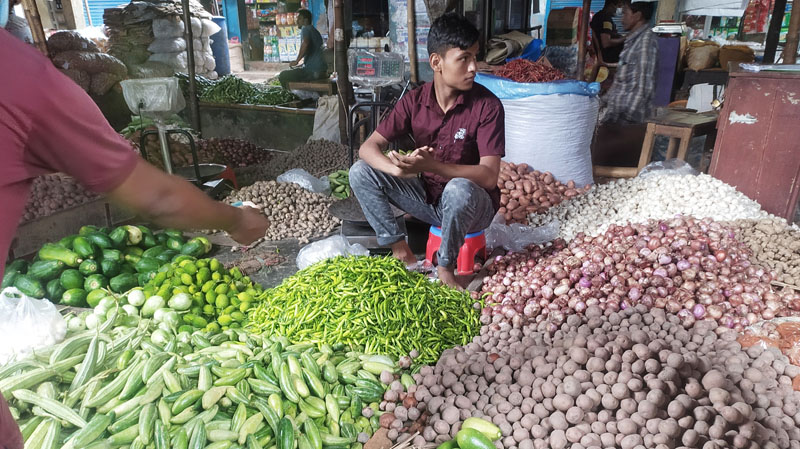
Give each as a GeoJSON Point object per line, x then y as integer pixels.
{"type": "Point", "coordinates": [340, 184]}
{"type": "Point", "coordinates": [115, 387]}
{"type": "Point", "coordinates": [78, 269]}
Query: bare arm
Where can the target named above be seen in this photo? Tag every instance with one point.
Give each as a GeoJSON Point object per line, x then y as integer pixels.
{"type": "Point", "coordinates": [421, 160]}
{"type": "Point", "coordinates": [301, 53]}
{"type": "Point", "coordinates": [171, 201]}
{"type": "Point", "coordinates": [607, 41]}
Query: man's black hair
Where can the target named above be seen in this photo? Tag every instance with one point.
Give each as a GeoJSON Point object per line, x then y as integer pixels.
{"type": "Point", "coordinates": [451, 30]}
{"type": "Point", "coordinates": [646, 8]}
{"type": "Point", "coordinates": [305, 13]}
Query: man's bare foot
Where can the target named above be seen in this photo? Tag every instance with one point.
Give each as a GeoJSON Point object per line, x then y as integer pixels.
{"type": "Point", "coordinates": [448, 277]}
{"type": "Point", "coordinates": [401, 250]}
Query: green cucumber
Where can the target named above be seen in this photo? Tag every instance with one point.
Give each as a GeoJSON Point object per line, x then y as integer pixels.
{"type": "Point", "coordinates": [71, 278]}
{"type": "Point", "coordinates": [54, 252]}
{"type": "Point", "coordinates": [175, 243]}
{"type": "Point", "coordinates": [45, 270]}
{"type": "Point", "coordinates": [30, 286]}
{"type": "Point", "coordinates": [75, 297]}
{"type": "Point", "coordinates": [89, 267]}
{"type": "Point", "coordinates": [110, 267]}
{"type": "Point", "coordinates": [93, 297]}
{"type": "Point", "coordinates": [147, 264]}
{"type": "Point", "coordinates": [94, 282]}
{"type": "Point", "coordinates": [54, 291]}
{"type": "Point", "coordinates": [472, 439]}
{"type": "Point", "coordinates": [100, 240]}
{"type": "Point", "coordinates": [123, 283]}
{"type": "Point", "coordinates": [85, 248]}
{"type": "Point", "coordinates": [113, 254]}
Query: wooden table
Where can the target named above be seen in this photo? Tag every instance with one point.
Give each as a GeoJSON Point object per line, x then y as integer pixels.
{"type": "Point", "coordinates": [680, 127]}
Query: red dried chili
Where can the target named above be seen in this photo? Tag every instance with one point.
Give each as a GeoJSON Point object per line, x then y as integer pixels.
{"type": "Point", "coordinates": [525, 71]}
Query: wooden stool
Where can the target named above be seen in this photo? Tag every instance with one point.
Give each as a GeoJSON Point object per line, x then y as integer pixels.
{"type": "Point", "coordinates": [325, 86]}
{"type": "Point", "coordinates": [680, 127]}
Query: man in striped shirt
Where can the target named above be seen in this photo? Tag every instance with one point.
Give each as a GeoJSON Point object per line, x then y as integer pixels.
{"type": "Point", "coordinates": [630, 98]}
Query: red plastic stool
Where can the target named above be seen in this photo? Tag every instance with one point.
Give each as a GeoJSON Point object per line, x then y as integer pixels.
{"type": "Point", "coordinates": [474, 244]}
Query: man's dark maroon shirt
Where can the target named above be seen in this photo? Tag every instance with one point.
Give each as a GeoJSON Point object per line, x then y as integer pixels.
{"type": "Point", "coordinates": [473, 128]}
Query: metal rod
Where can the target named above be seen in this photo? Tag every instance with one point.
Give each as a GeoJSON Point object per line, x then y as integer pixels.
{"type": "Point", "coordinates": [790, 49]}
{"type": "Point", "coordinates": [35, 23]}
{"type": "Point", "coordinates": [413, 60]}
{"type": "Point", "coordinates": [583, 34]}
{"type": "Point", "coordinates": [774, 31]}
{"type": "Point", "coordinates": [194, 107]}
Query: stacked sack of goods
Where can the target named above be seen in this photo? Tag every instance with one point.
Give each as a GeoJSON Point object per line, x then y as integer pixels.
{"type": "Point", "coordinates": [81, 60]}
{"type": "Point", "coordinates": [149, 38]}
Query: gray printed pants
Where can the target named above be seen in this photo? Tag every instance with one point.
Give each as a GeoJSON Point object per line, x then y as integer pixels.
{"type": "Point", "coordinates": [464, 208]}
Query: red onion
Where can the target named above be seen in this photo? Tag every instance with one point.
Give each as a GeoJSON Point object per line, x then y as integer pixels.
{"type": "Point", "coordinates": [699, 311]}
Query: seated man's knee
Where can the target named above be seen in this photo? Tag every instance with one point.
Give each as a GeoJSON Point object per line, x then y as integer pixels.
{"type": "Point", "coordinates": [359, 173]}
{"type": "Point", "coordinates": [458, 192]}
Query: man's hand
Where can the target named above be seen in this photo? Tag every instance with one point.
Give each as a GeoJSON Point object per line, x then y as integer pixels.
{"type": "Point", "coordinates": [421, 160]}
{"type": "Point", "coordinates": [293, 63]}
{"type": "Point", "coordinates": [250, 226]}
{"type": "Point", "coordinates": [403, 167]}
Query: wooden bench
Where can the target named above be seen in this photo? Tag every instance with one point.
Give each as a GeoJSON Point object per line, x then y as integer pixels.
{"type": "Point", "coordinates": [324, 86]}
{"type": "Point", "coordinates": [680, 127]}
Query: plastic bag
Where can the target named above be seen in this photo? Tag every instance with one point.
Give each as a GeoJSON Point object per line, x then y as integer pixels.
{"type": "Point", "coordinates": [307, 181]}
{"type": "Point", "coordinates": [505, 89]}
{"type": "Point", "coordinates": [209, 28]}
{"type": "Point", "coordinates": [176, 60]}
{"type": "Point", "coordinates": [167, 28]}
{"type": "Point", "coordinates": [669, 167]}
{"type": "Point", "coordinates": [330, 247]}
{"type": "Point", "coordinates": [28, 324]}
{"type": "Point", "coordinates": [167, 45]}
{"type": "Point", "coordinates": [326, 119]}
{"type": "Point", "coordinates": [516, 237]}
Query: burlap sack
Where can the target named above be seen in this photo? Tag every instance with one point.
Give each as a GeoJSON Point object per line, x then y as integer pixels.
{"type": "Point", "coordinates": [69, 40]}
{"type": "Point", "coordinates": [702, 55]}
{"type": "Point", "coordinates": [735, 53]}
{"type": "Point", "coordinates": [90, 62]}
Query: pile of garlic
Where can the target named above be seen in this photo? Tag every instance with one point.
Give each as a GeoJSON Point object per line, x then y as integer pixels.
{"type": "Point", "coordinates": [640, 199]}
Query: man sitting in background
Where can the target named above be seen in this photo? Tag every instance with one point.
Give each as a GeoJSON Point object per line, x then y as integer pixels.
{"type": "Point", "coordinates": [604, 30]}
{"type": "Point", "coordinates": [314, 66]}
{"type": "Point", "coordinates": [630, 98]}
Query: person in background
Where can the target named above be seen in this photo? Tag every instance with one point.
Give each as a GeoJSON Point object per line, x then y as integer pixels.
{"type": "Point", "coordinates": [314, 66]}
{"type": "Point", "coordinates": [60, 129]}
{"type": "Point", "coordinates": [451, 179]}
{"type": "Point", "coordinates": [604, 29]}
{"type": "Point", "coordinates": [630, 98]}
{"type": "Point", "coordinates": [14, 24]}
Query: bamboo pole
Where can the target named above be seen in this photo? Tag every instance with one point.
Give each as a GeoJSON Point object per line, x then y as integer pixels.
{"type": "Point", "coordinates": [35, 23]}
{"type": "Point", "coordinates": [583, 34]}
{"type": "Point", "coordinates": [412, 41]}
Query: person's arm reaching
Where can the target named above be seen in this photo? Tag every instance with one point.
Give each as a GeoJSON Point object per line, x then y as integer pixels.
{"type": "Point", "coordinates": [171, 201]}
{"type": "Point", "coordinates": [607, 41]}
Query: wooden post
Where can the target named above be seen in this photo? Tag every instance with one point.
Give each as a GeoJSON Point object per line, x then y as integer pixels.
{"type": "Point", "coordinates": [35, 23]}
{"type": "Point", "coordinates": [774, 31]}
{"type": "Point", "coordinates": [194, 107]}
{"type": "Point", "coordinates": [340, 64]}
{"type": "Point", "coordinates": [412, 41]}
{"type": "Point", "coordinates": [790, 49]}
{"type": "Point", "coordinates": [583, 34]}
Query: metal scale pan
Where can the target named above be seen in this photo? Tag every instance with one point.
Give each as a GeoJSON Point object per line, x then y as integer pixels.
{"type": "Point", "coordinates": [355, 227]}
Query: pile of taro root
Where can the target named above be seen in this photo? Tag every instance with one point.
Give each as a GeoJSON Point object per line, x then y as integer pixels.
{"type": "Point", "coordinates": [629, 379]}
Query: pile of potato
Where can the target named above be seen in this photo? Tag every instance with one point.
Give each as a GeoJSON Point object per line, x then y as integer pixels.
{"type": "Point", "coordinates": [294, 213]}
{"type": "Point", "coordinates": [774, 244]}
{"type": "Point", "coordinates": [52, 193]}
{"type": "Point", "coordinates": [627, 379]}
{"type": "Point", "coordinates": [525, 191]}
{"type": "Point", "coordinates": [318, 157]}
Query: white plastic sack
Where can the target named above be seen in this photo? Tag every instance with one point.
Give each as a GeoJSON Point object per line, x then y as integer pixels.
{"type": "Point", "coordinates": [552, 133]}
{"type": "Point", "coordinates": [516, 236]}
{"type": "Point", "coordinates": [209, 28]}
{"type": "Point", "coordinates": [326, 119]}
{"type": "Point", "coordinates": [307, 181]}
{"type": "Point", "coordinates": [167, 28]}
{"type": "Point", "coordinates": [167, 45]}
{"type": "Point", "coordinates": [175, 60]}
{"type": "Point", "coordinates": [27, 325]}
{"type": "Point", "coordinates": [328, 248]}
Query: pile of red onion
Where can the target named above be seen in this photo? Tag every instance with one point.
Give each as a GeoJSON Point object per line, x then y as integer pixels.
{"type": "Point", "coordinates": [690, 267]}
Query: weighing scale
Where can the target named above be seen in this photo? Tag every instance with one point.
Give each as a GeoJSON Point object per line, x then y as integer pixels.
{"type": "Point", "coordinates": [161, 98]}
{"type": "Point", "coordinates": [368, 72]}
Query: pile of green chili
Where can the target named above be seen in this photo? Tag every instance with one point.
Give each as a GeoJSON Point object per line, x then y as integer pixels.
{"type": "Point", "coordinates": [371, 302]}
{"type": "Point", "coordinates": [230, 89]}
